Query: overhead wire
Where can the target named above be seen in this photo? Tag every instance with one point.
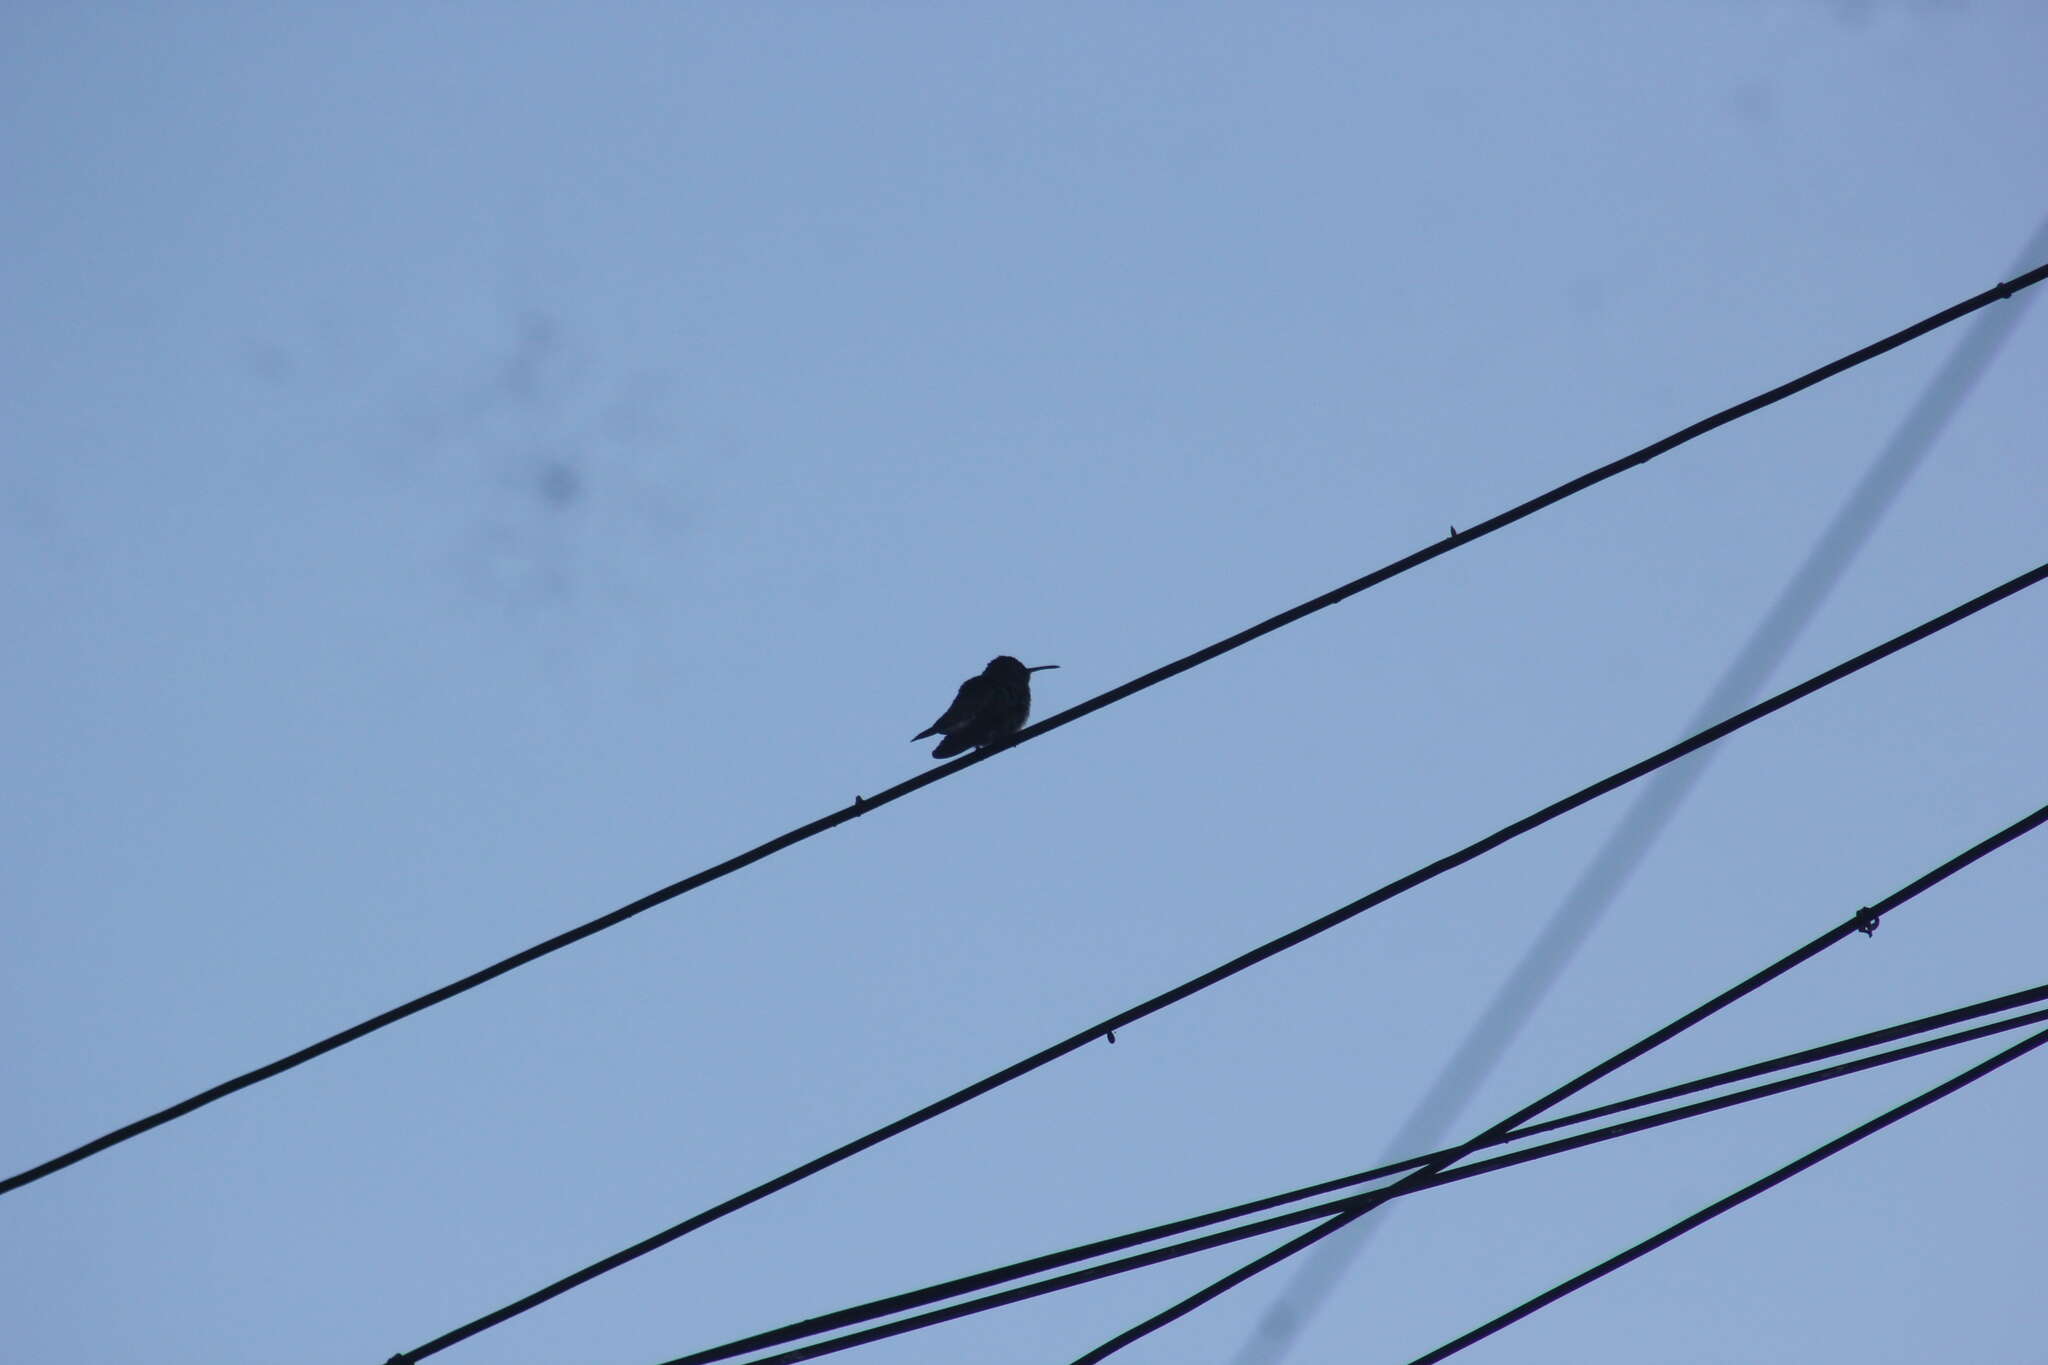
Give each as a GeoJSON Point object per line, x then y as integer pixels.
{"type": "Point", "coordinates": [862, 805]}
{"type": "Point", "coordinates": [1234, 966]}
{"type": "Point", "coordinates": [1741, 1196]}
{"type": "Point", "coordinates": [1864, 921]}
{"type": "Point", "coordinates": [819, 1325]}
{"type": "Point", "coordinates": [1312, 1213]}
{"type": "Point", "coordinates": [1650, 813]}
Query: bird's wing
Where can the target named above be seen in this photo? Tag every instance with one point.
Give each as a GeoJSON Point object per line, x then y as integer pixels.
{"type": "Point", "coordinates": [968, 702]}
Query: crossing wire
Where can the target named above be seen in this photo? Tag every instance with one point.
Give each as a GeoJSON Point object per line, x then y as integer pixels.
{"type": "Point", "coordinates": [1319, 1211]}
{"type": "Point", "coordinates": [1037, 1265]}
{"type": "Point", "coordinates": [862, 805]}
{"type": "Point", "coordinates": [1242, 962]}
{"type": "Point", "coordinates": [1741, 1196]}
{"type": "Point", "coordinates": [1863, 921]}
{"type": "Point", "coordinates": [1655, 805]}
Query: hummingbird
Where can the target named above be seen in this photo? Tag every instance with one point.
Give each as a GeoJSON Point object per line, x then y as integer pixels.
{"type": "Point", "coordinates": [987, 708]}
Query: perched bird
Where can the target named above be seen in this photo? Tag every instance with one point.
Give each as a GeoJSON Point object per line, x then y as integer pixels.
{"type": "Point", "coordinates": [986, 709]}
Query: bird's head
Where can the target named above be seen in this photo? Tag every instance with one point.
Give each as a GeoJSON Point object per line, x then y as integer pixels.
{"type": "Point", "coordinates": [1004, 666]}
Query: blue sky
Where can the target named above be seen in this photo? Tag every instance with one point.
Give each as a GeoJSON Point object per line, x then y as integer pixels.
{"type": "Point", "coordinates": [467, 466]}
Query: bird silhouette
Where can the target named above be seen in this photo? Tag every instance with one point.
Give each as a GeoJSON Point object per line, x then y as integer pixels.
{"type": "Point", "coordinates": [987, 708]}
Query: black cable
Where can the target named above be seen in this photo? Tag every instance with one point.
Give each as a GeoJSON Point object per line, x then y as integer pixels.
{"type": "Point", "coordinates": [1237, 964]}
{"type": "Point", "coordinates": [1580, 911]}
{"type": "Point", "coordinates": [1741, 1196]}
{"type": "Point", "coordinates": [1875, 1038]}
{"type": "Point", "coordinates": [1863, 921]}
{"type": "Point", "coordinates": [969, 1284]}
{"type": "Point", "coordinates": [862, 805]}
{"type": "Point", "coordinates": [1319, 1211]}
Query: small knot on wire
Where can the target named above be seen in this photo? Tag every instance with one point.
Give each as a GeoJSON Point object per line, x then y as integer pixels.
{"type": "Point", "coordinates": [1865, 921]}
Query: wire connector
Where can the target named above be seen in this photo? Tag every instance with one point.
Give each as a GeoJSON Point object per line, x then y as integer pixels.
{"type": "Point", "coordinates": [1865, 921]}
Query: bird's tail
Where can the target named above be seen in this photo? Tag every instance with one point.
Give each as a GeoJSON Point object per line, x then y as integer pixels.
{"type": "Point", "coordinates": [950, 745]}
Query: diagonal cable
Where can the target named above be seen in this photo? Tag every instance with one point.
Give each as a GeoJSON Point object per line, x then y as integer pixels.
{"type": "Point", "coordinates": [1038, 1265]}
{"type": "Point", "coordinates": [1211, 1241]}
{"type": "Point", "coordinates": [1741, 1196]}
{"type": "Point", "coordinates": [862, 805]}
{"type": "Point", "coordinates": [1240, 963]}
{"type": "Point", "coordinates": [1863, 921]}
{"type": "Point", "coordinates": [1640, 827]}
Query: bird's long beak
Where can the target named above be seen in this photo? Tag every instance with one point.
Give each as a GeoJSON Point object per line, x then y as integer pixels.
{"type": "Point", "coordinates": [1040, 668]}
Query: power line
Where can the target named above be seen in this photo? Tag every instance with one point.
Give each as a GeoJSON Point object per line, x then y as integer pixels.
{"type": "Point", "coordinates": [1304, 1215]}
{"type": "Point", "coordinates": [1864, 921]}
{"type": "Point", "coordinates": [1861, 1041]}
{"type": "Point", "coordinates": [971, 1284]}
{"type": "Point", "coordinates": [1236, 965]}
{"type": "Point", "coordinates": [862, 805]}
{"type": "Point", "coordinates": [1741, 1196]}
{"type": "Point", "coordinates": [1652, 810]}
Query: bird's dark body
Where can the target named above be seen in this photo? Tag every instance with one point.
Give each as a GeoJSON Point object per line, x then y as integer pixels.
{"type": "Point", "coordinates": [987, 708]}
